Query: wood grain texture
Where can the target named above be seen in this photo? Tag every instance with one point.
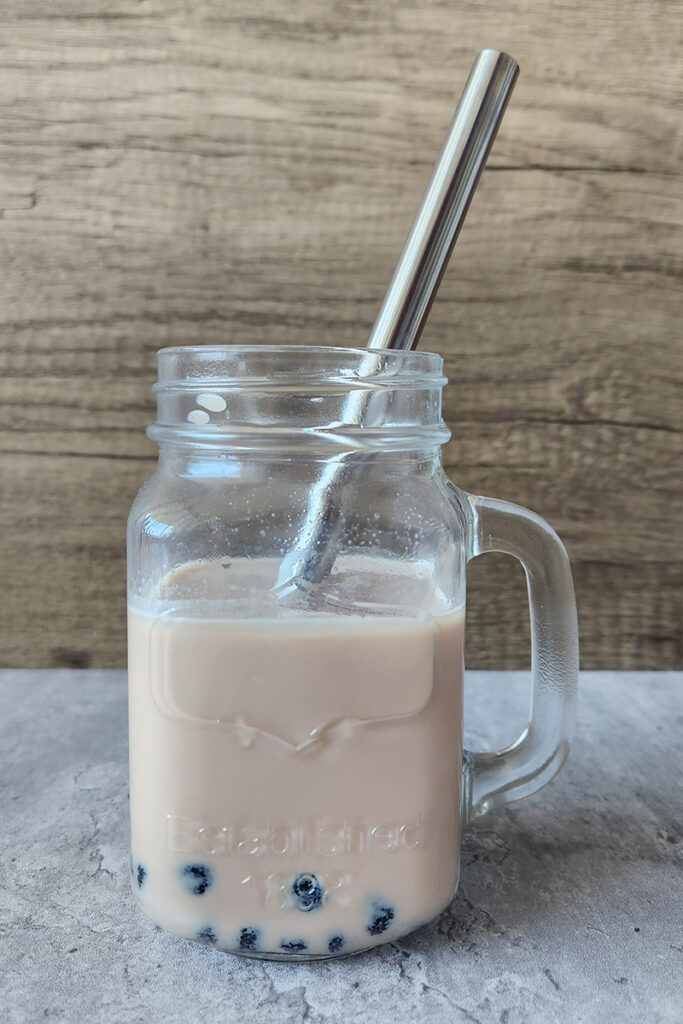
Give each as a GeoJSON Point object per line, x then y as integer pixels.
{"type": "Point", "coordinates": [188, 171]}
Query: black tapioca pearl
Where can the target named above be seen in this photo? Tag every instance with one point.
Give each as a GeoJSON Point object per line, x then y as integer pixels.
{"type": "Point", "coordinates": [249, 938]}
{"type": "Point", "coordinates": [207, 935]}
{"type": "Point", "coordinates": [197, 878]}
{"type": "Point", "coordinates": [382, 916]}
{"type": "Point", "coordinates": [335, 943]}
{"type": "Point", "coordinates": [294, 945]}
{"type": "Point", "coordinates": [308, 892]}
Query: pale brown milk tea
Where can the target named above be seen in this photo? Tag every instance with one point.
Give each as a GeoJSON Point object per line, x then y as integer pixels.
{"type": "Point", "coordinates": [293, 777]}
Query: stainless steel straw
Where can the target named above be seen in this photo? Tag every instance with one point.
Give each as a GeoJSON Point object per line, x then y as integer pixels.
{"type": "Point", "coordinates": [412, 290]}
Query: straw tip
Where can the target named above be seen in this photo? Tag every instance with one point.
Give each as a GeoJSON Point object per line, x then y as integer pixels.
{"type": "Point", "coordinates": [499, 55]}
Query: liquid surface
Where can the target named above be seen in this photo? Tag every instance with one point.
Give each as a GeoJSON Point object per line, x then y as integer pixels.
{"type": "Point", "coordinates": [295, 781]}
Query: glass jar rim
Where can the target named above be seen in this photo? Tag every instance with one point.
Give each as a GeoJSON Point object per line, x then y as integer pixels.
{"type": "Point", "coordinates": [255, 366]}
{"type": "Point", "coordinates": [285, 396]}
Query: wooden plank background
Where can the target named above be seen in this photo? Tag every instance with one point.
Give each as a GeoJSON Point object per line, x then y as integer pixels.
{"type": "Point", "coordinates": [184, 171]}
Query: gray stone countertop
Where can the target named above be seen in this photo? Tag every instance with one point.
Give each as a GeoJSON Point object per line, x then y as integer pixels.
{"type": "Point", "coordinates": [570, 906]}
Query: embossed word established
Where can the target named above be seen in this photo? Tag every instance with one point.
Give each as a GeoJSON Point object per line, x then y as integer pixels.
{"type": "Point", "coordinates": [188, 835]}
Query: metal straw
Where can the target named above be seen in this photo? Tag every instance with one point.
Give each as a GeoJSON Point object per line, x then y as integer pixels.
{"type": "Point", "coordinates": [412, 290]}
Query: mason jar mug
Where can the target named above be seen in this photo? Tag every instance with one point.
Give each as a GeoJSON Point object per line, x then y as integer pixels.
{"type": "Point", "coordinates": [298, 782]}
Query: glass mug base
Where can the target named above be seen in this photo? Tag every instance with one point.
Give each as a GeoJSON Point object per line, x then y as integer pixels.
{"type": "Point", "coordinates": [296, 957]}
{"type": "Point", "coordinates": [285, 934]}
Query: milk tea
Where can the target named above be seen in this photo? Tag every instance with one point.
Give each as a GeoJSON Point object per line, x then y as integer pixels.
{"type": "Point", "coordinates": [295, 776]}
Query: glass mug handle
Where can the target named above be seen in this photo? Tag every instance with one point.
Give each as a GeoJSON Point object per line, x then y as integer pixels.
{"type": "Point", "coordinates": [495, 779]}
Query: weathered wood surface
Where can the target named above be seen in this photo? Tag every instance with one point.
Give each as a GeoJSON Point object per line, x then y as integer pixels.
{"type": "Point", "coordinates": [183, 171]}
